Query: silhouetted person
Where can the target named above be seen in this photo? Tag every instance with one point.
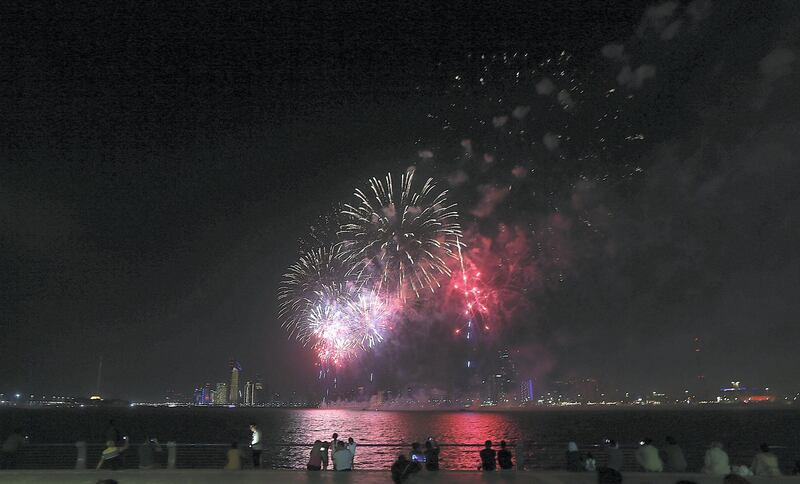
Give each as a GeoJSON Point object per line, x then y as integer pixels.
{"type": "Point", "coordinates": [147, 453]}
{"type": "Point", "coordinates": [315, 458]}
{"type": "Point", "coordinates": [256, 445]}
{"type": "Point", "coordinates": [573, 456]}
{"type": "Point", "coordinates": [327, 446]}
{"type": "Point", "coordinates": [765, 463]}
{"type": "Point", "coordinates": [401, 469]}
{"type": "Point", "coordinates": [10, 448]}
{"type": "Point", "coordinates": [334, 444]}
{"type": "Point", "coordinates": [233, 458]}
{"type": "Point", "coordinates": [716, 462]}
{"type": "Point", "coordinates": [589, 463]}
{"type": "Point", "coordinates": [112, 455]}
{"type": "Point", "coordinates": [674, 460]}
{"type": "Point", "coordinates": [504, 459]}
{"type": "Point", "coordinates": [342, 458]}
{"type": "Point", "coordinates": [431, 455]}
{"type": "Point", "coordinates": [796, 470]}
{"type": "Point", "coordinates": [648, 458]}
{"type": "Point", "coordinates": [616, 459]}
{"type": "Point", "coordinates": [488, 457]}
{"type": "Point", "coordinates": [351, 447]}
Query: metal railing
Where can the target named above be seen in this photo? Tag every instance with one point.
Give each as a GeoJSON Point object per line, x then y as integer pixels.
{"type": "Point", "coordinates": [535, 455]}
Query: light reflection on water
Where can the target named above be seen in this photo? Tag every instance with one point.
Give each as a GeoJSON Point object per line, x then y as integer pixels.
{"type": "Point", "coordinates": [384, 434]}
{"type": "Point", "coordinates": [394, 431]}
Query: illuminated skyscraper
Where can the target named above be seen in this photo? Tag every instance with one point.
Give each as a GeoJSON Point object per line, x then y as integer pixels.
{"type": "Point", "coordinates": [249, 393]}
{"type": "Point", "coordinates": [221, 395]}
{"type": "Point", "coordinates": [507, 381]}
{"type": "Point", "coordinates": [258, 395]}
{"type": "Point", "coordinates": [202, 395]}
{"type": "Point", "coordinates": [236, 369]}
{"type": "Point", "coordinates": [526, 394]}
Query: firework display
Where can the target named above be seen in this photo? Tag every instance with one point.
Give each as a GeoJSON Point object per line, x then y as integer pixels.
{"type": "Point", "coordinates": [512, 139]}
{"type": "Point", "coordinates": [321, 274]}
{"type": "Point", "coordinates": [401, 239]}
{"type": "Point", "coordinates": [393, 245]}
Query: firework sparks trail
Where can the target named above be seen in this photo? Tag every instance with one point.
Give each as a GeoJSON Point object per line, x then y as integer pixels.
{"type": "Point", "coordinates": [342, 327]}
{"type": "Point", "coordinates": [370, 316]}
{"type": "Point", "coordinates": [475, 299]}
{"type": "Point", "coordinates": [401, 240]}
{"type": "Point", "coordinates": [330, 328]}
{"type": "Point", "coordinates": [320, 275]}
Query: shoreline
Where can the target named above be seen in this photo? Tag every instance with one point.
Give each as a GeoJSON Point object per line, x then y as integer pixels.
{"type": "Point", "coordinates": [202, 476]}
{"type": "Point", "coordinates": [532, 409]}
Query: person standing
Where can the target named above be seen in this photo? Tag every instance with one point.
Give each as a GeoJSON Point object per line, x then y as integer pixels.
{"type": "Point", "coordinates": [488, 457]}
{"type": "Point", "coordinates": [315, 458]}
{"type": "Point", "coordinates": [351, 447]}
{"type": "Point", "coordinates": [648, 458]}
{"type": "Point", "coordinates": [334, 446]}
{"type": "Point", "coordinates": [431, 455]}
{"type": "Point", "coordinates": [504, 459]}
{"type": "Point", "coordinates": [674, 460]}
{"type": "Point", "coordinates": [573, 457]}
{"type": "Point", "coordinates": [325, 447]}
{"type": "Point", "coordinates": [147, 453]}
{"type": "Point", "coordinates": [256, 445]}
{"type": "Point", "coordinates": [10, 448]}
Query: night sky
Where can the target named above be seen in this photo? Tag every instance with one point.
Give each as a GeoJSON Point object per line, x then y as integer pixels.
{"type": "Point", "coordinates": [159, 166]}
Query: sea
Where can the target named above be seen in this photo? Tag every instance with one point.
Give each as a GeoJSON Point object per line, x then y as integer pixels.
{"type": "Point", "coordinates": [381, 435]}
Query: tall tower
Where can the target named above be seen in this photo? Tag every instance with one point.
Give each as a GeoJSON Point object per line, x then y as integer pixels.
{"type": "Point", "coordinates": [249, 393]}
{"type": "Point", "coordinates": [221, 397]}
{"type": "Point", "coordinates": [236, 369]}
{"type": "Point", "coordinates": [699, 377]}
{"type": "Point", "coordinates": [258, 392]}
{"type": "Point", "coordinates": [96, 395]}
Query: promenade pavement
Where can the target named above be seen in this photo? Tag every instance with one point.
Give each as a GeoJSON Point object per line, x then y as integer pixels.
{"type": "Point", "coordinates": [202, 476]}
